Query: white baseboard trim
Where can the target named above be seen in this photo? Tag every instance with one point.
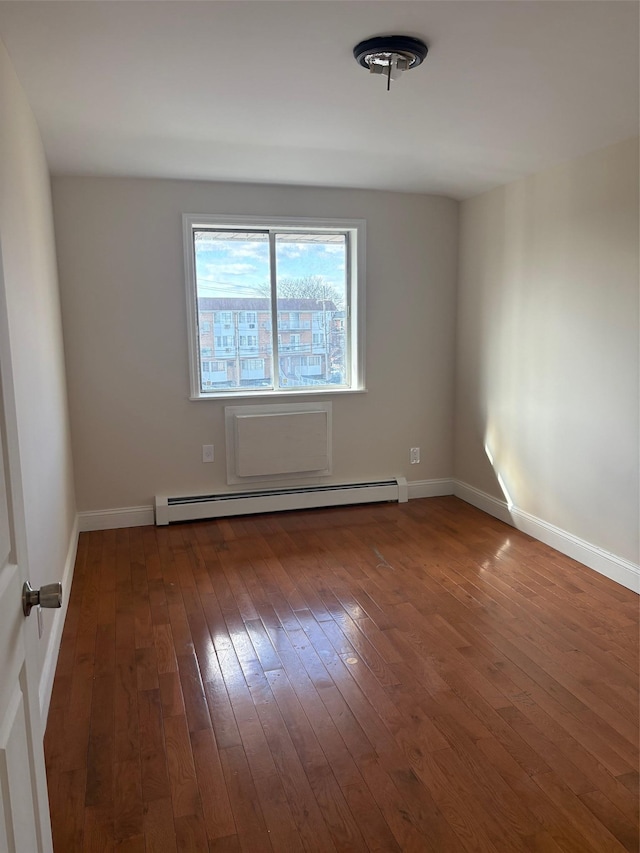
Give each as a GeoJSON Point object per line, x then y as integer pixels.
{"type": "Point", "coordinates": [430, 488]}
{"type": "Point", "coordinates": [55, 637]}
{"type": "Point", "coordinates": [616, 568]}
{"type": "Point", "coordinates": [110, 519]}
{"type": "Point", "coordinates": [139, 516]}
{"type": "Point", "coordinates": [487, 503]}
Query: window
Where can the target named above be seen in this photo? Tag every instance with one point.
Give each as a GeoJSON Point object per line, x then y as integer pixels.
{"type": "Point", "coordinates": [222, 342]}
{"type": "Point", "coordinates": [214, 367]}
{"type": "Point", "coordinates": [268, 283]}
{"type": "Point", "coordinates": [250, 364]}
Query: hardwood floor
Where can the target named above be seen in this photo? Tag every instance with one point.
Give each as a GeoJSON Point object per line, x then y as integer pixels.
{"type": "Point", "coordinates": [415, 677]}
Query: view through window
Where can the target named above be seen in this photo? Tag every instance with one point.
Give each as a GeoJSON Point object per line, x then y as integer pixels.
{"type": "Point", "coordinates": [272, 308]}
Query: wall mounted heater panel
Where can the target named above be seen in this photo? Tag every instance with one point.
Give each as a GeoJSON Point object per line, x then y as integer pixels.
{"type": "Point", "coordinates": [278, 441]}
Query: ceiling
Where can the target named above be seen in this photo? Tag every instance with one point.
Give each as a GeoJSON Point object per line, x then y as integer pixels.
{"type": "Point", "coordinates": [269, 91]}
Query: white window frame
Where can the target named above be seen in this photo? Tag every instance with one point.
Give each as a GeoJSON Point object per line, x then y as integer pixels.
{"type": "Point", "coordinates": [355, 310]}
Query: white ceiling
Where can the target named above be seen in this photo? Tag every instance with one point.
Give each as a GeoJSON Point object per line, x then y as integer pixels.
{"type": "Point", "coordinates": [269, 91]}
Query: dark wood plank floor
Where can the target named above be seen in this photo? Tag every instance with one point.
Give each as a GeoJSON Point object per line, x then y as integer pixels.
{"type": "Point", "coordinates": [414, 677]}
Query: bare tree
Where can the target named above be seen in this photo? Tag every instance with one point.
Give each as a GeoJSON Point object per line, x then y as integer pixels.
{"type": "Point", "coordinates": [307, 287]}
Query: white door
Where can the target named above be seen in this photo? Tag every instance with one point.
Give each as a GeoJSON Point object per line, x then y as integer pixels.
{"type": "Point", "coordinates": [24, 808]}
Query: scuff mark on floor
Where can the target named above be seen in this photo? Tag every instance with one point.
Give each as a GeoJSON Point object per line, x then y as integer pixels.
{"type": "Point", "coordinates": [383, 563]}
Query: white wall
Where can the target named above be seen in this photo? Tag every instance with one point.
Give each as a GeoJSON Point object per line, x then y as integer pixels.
{"type": "Point", "coordinates": [547, 331]}
{"type": "Point", "coordinates": [35, 340]}
{"type": "Point", "coordinates": [136, 433]}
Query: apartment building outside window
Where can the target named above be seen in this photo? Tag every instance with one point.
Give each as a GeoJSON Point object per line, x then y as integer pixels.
{"type": "Point", "coordinates": [280, 300]}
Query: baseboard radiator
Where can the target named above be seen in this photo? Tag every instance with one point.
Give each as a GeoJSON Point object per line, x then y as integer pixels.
{"type": "Point", "coordinates": [191, 508]}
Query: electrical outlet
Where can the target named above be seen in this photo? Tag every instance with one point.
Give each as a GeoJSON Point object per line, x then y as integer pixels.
{"type": "Point", "coordinates": [414, 455]}
{"type": "Point", "coordinates": [207, 452]}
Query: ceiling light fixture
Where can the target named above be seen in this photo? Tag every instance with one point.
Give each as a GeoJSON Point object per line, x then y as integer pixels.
{"type": "Point", "coordinates": [390, 55]}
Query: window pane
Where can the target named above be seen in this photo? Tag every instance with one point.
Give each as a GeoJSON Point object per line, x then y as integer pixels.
{"type": "Point", "coordinates": [311, 289]}
{"type": "Point", "coordinates": [234, 309]}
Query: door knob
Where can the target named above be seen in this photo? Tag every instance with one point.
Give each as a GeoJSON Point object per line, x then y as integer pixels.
{"type": "Point", "coordinates": [49, 595]}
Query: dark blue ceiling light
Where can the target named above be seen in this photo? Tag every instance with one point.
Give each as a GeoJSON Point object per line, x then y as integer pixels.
{"type": "Point", "coordinates": [390, 55]}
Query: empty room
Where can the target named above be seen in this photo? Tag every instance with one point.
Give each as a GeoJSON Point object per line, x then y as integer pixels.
{"type": "Point", "coordinates": [319, 426]}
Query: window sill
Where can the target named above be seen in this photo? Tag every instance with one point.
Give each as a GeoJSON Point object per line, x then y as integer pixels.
{"type": "Point", "coordinates": [281, 395]}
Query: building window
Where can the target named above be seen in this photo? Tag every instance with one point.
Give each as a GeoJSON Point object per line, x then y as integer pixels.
{"type": "Point", "coordinates": [267, 284]}
{"type": "Point", "coordinates": [222, 342]}
{"type": "Point", "coordinates": [214, 366]}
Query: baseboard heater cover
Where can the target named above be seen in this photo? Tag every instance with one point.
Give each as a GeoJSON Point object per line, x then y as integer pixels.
{"type": "Point", "coordinates": [193, 507]}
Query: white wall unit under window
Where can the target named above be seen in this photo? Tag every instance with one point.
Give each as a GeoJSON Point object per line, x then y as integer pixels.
{"type": "Point", "coordinates": [277, 441]}
{"type": "Point", "coordinates": [276, 288]}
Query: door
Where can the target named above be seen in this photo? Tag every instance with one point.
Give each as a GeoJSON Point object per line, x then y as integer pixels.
{"type": "Point", "coordinates": [24, 808]}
